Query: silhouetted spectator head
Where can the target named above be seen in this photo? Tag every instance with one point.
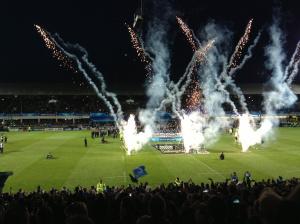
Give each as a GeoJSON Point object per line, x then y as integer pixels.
{"type": "Point", "coordinates": [294, 199]}
{"type": "Point", "coordinates": [2, 212]}
{"type": "Point", "coordinates": [217, 209]}
{"type": "Point", "coordinates": [157, 207]}
{"type": "Point", "coordinates": [295, 195]}
{"type": "Point", "coordinates": [16, 213]}
{"type": "Point", "coordinates": [145, 219]}
{"type": "Point", "coordinates": [269, 203]}
{"type": "Point", "coordinates": [76, 209]}
{"type": "Point", "coordinates": [79, 219]}
{"type": "Point", "coordinates": [44, 215]}
{"type": "Point", "coordinates": [127, 208]}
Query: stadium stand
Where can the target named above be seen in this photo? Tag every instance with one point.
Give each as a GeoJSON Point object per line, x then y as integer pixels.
{"type": "Point", "coordinates": [64, 106]}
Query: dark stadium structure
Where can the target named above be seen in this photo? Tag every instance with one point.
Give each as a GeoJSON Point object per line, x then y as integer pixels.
{"type": "Point", "coordinates": [61, 105]}
{"type": "Point", "coordinates": [58, 105]}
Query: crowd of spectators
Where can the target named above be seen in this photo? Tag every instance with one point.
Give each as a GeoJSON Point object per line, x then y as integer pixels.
{"type": "Point", "coordinates": [264, 202]}
{"type": "Point", "coordinates": [62, 104]}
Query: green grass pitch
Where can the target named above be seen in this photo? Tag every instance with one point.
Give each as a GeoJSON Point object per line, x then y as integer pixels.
{"type": "Point", "coordinates": [25, 153]}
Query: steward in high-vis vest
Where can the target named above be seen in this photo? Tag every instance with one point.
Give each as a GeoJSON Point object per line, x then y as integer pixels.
{"type": "Point", "coordinates": [177, 182]}
{"type": "Point", "coordinates": [100, 187]}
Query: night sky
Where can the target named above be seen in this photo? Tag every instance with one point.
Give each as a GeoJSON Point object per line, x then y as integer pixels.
{"type": "Point", "coordinates": [99, 27]}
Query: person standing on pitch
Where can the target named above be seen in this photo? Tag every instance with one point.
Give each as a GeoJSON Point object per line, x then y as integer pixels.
{"type": "Point", "coordinates": [222, 156]}
{"type": "Point", "coordinates": [85, 142]}
{"type": "Point", "coordinates": [1, 147]}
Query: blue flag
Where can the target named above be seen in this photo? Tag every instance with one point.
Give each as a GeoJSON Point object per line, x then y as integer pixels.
{"type": "Point", "coordinates": [139, 172]}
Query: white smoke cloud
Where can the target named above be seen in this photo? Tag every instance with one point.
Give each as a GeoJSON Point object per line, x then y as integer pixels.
{"type": "Point", "coordinates": [215, 95]}
{"type": "Point", "coordinates": [134, 140]}
{"type": "Point", "coordinates": [192, 131]}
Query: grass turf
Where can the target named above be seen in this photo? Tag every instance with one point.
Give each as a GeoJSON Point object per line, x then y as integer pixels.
{"type": "Point", "coordinates": [25, 153]}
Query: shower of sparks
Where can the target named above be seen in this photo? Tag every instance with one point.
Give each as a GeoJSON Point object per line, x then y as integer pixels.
{"type": "Point", "coordinates": [193, 90]}
{"type": "Point", "coordinates": [56, 53]}
{"type": "Point", "coordinates": [187, 32]}
{"type": "Point", "coordinates": [240, 46]}
{"type": "Point", "coordinates": [194, 97]}
{"type": "Point", "coordinates": [137, 45]}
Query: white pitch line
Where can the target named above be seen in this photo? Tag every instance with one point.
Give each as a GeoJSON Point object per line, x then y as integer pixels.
{"type": "Point", "coordinates": [292, 171]}
{"type": "Point", "coordinates": [210, 168]}
{"type": "Point", "coordinates": [114, 177]}
{"type": "Point", "coordinates": [124, 172]}
{"type": "Point", "coordinates": [124, 177]}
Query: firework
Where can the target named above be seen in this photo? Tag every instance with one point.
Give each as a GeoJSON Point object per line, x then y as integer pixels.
{"type": "Point", "coordinates": [187, 32]}
{"type": "Point", "coordinates": [136, 43]}
{"type": "Point", "coordinates": [240, 46]}
{"type": "Point", "coordinates": [56, 53]}
{"type": "Point", "coordinates": [194, 97]}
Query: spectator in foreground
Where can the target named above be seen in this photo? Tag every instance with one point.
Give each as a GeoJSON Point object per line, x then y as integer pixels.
{"type": "Point", "coordinates": [263, 202]}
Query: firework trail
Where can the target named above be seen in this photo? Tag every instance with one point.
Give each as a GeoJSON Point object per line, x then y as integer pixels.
{"type": "Point", "coordinates": [61, 46]}
{"type": "Point", "coordinates": [56, 53]}
{"type": "Point", "coordinates": [229, 82]}
{"type": "Point", "coordinates": [94, 71]}
{"type": "Point", "coordinates": [188, 33]}
{"type": "Point", "coordinates": [233, 62]}
{"type": "Point", "coordinates": [137, 44]}
{"type": "Point", "coordinates": [100, 77]}
{"type": "Point", "coordinates": [246, 57]}
{"type": "Point", "coordinates": [293, 66]}
{"type": "Point", "coordinates": [227, 74]}
{"type": "Point", "coordinates": [226, 95]}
